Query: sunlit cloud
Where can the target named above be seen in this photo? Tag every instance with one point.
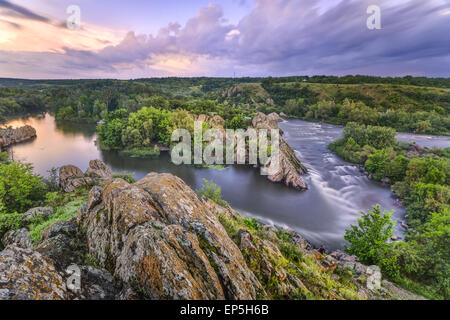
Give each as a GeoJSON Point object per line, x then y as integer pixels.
{"type": "Point", "coordinates": [277, 37]}
{"type": "Point", "coordinates": [37, 36]}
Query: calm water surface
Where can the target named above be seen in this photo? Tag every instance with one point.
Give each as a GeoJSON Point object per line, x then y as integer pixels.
{"type": "Point", "coordinates": [338, 190]}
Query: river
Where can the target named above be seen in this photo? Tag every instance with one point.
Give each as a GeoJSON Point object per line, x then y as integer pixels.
{"type": "Point", "coordinates": [338, 191]}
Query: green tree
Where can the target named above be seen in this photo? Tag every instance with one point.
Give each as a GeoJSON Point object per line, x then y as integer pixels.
{"type": "Point", "coordinates": [369, 238]}
{"type": "Point", "coordinates": [110, 133]}
{"type": "Point", "coordinates": [238, 122]}
{"type": "Point", "coordinates": [20, 188]}
{"type": "Point", "coordinates": [212, 191]}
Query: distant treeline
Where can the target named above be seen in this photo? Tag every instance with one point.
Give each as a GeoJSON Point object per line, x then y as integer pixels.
{"type": "Point", "coordinates": [411, 104]}
{"type": "Point", "coordinates": [212, 83]}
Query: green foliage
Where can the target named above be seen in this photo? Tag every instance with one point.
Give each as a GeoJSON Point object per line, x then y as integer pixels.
{"type": "Point", "coordinates": [20, 188]}
{"type": "Point", "coordinates": [10, 221]}
{"type": "Point", "coordinates": [4, 157]}
{"type": "Point", "coordinates": [128, 177]}
{"type": "Point", "coordinates": [428, 170]}
{"type": "Point", "coordinates": [376, 137]}
{"type": "Point", "coordinates": [385, 164]}
{"type": "Point", "coordinates": [110, 133]}
{"type": "Point", "coordinates": [212, 191]}
{"type": "Point", "coordinates": [142, 152]}
{"type": "Point", "coordinates": [52, 180]}
{"type": "Point", "coordinates": [238, 122]}
{"type": "Point", "coordinates": [64, 213]}
{"type": "Point", "coordinates": [252, 223]}
{"type": "Point", "coordinates": [369, 238]}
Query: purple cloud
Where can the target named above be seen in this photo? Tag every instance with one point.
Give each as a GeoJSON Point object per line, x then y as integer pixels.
{"type": "Point", "coordinates": [281, 37]}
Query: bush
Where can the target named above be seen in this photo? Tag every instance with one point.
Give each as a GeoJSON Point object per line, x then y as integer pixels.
{"type": "Point", "coordinates": [10, 221]}
{"type": "Point", "coordinates": [212, 191]}
{"type": "Point", "coordinates": [4, 157]}
{"type": "Point", "coordinates": [20, 188]}
{"type": "Point", "coordinates": [378, 163]}
{"type": "Point", "coordinates": [369, 238]}
{"type": "Point", "coordinates": [252, 223]}
{"type": "Point", "coordinates": [144, 153]}
{"type": "Point", "coordinates": [376, 137]}
{"type": "Point", "coordinates": [52, 181]}
{"type": "Point", "coordinates": [428, 170]}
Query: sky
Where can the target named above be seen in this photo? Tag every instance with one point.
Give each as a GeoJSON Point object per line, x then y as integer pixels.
{"type": "Point", "coordinates": [159, 38]}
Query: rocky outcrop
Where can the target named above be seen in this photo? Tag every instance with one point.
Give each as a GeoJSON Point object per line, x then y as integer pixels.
{"type": "Point", "coordinates": [275, 117]}
{"type": "Point", "coordinates": [41, 273]}
{"type": "Point", "coordinates": [290, 167]}
{"type": "Point", "coordinates": [98, 169]}
{"type": "Point", "coordinates": [27, 275]}
{"type": "Point", "coordinates": [72, 178]}
{"type": "Point", "coordinates": [37, 212]}
{"type": "Point", "coordinates": [158, 236]}
{"type": "Point", "coordinates": [20, 238]}
{"type": "Point", "coordinates": [61, 243]}
{"type": "Point", "coordinates": [11, 136]}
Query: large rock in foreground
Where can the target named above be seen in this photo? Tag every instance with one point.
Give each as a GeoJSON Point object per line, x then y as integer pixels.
{"type": "Point", "coordinates": [290, 167]}
{"type": "Point", "coordinates": [27, 275]}
{"type": "Point", "coordinates": [159, 237]}
{"type": "Point", "coordinates": [12, 136]}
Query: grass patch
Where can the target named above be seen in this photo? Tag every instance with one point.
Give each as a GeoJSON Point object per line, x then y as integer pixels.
{"type": "Point", "coordinates": [144, 153]}
{"type": "Point", "coordinates": [64, 213]}
{"type": "Point", "coordinates": [128, 177]}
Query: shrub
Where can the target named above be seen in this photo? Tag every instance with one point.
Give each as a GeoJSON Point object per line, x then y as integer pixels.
{"type": "Point", "coordinates": [212, 191]}
{"type": "Point", "coordinates": [374, 136]}
{"type": "Point", "coordinates": [52, 180]}
{"type": "Point", "coordinates": [10, 221]}
{"type": "Point", "coordinates": [252, 223]}
{"type": "Point", "coordinates": [20, 188]}
{"type": "Point", "coordinates": [428, 170]}
{"type": "Point", "coordinates": [369, 238]}
{"type": "Point", "coordinates": [142, 152]}
{"type": "Point", "coordinates": [4, 157]}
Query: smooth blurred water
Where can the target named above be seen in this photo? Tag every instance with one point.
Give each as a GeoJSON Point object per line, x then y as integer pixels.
{"type": "Point", "coordinates": [337, 191]}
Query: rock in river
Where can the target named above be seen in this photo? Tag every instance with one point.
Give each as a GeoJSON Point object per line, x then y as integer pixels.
{"type": "Point", "coordinates": [290, 167]}
{"type": "Point", "coordinates": [11, 136]}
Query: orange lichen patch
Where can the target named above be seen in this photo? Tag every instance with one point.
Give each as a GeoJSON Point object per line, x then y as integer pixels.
{"type": "Point", "coordinates": [29, 277]}
{"type": "Point", "coordinates": [149, 272]}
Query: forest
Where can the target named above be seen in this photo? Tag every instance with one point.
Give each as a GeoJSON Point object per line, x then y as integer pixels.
{"type": "Point", "coordinates": [408, 104]}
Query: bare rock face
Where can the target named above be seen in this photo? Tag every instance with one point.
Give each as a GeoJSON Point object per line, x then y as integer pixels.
{"type": "Point", "coordinates": [71, 177]}
{"type": "Point", "coordinates": [37, 212]}
{"type": "Point", "coordinates": [12, 136]}
{"type": "Point", "coordinates": [290, 167]}
{"type": "Point", "coordinates": [275, 117]}
{"type": "Point", "coordinates": [96, 284]}
{"type": "Point", "coordinates": [27, 275]}
{"type": "Point", "coordinates": [20, 238]}
{"type": "Point", "coordinates": [158, 236]}
{"type": "Point", "coordinates": [98, 169]}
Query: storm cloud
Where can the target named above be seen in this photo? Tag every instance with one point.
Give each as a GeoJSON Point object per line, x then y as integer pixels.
{"type": "Point", "coordinates": [278, 37]}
